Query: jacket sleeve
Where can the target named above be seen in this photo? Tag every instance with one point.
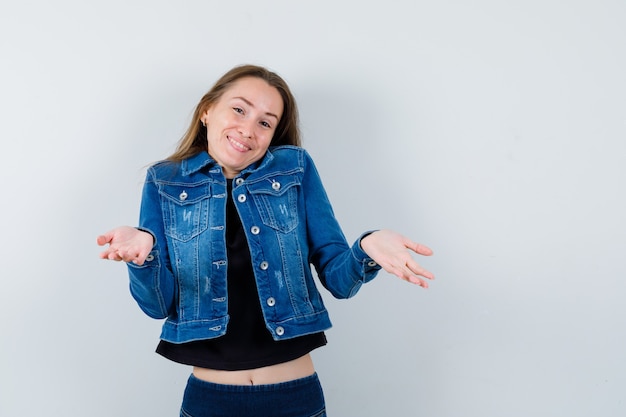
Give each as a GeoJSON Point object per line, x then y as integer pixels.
{"type": "Point", "coordinates": [152, 284]}
{"type": "Point", "coordinates": [341, 268]}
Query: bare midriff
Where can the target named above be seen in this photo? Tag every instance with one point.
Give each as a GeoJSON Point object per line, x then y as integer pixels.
{"type": "Point", "coordinates": [282, 372]}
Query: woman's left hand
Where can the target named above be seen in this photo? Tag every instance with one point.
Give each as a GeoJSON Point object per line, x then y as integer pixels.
{"type": "Point", "coordinates": [392, 252]}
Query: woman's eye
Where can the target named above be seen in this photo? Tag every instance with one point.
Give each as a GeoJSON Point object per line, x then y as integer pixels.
{"type": "Point", "coordinates": [265, 124]}
{"type": "Point", "coordinates": [238, 110]}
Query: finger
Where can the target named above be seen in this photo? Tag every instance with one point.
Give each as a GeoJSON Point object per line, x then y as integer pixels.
{"type": "Point", "coordinates": [105, 254]}
{"type": "Point", "coordinates": [140, 258]}
{"type": "Point", "coordinates": [416, 269]}
{"type": "Point", "coordinates": [414, 279]}
{"type": "Point", "coordinates": [136, 257]}
{"type": "Point", "coordinates": [407, 275]}
{"type": "Point", "coordinates": [111, 256]}
{"type": "Point", "coordinates": [127, 256]}
{"type": "Point", "coordinates": [419, 248]}
{"type": "Point", "coordinates": [405, 266]}
{"type": "Point", "coordinates": [417, 281]}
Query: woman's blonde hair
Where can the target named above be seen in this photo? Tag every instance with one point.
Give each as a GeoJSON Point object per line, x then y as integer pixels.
{"type": "Point", "coordinates": [287, 132]}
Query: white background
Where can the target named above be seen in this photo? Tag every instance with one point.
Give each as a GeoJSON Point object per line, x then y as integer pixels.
{"type": "Point", "coordinates": [492, 131]}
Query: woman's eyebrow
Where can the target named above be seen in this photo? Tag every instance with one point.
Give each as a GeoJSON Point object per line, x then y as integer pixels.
{"type": "Point", "coordinates": [252, 105]}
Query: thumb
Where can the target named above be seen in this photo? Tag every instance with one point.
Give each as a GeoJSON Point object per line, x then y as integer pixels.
{"type": "Point", "coordinates": [104, 239]}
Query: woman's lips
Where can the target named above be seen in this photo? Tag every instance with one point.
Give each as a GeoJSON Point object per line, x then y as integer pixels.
{"type": "Point", "coordinates": [238, 145]}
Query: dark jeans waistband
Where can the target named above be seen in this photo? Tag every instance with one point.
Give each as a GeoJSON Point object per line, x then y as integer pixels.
{"type": "Point", "coordinates": [298, 398]}
{"type": "Point", "coordinates": [287, 385]}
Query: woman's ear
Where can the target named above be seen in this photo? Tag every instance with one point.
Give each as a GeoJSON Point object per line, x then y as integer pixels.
{"type": "Point", "coordinates": [204, 118]}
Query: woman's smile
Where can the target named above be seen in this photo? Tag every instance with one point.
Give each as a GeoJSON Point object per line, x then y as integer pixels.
{"type": "Point", "coordinates": [238, 145]}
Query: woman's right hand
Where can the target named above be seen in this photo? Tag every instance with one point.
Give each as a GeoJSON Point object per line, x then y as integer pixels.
{"type": "Point", "coordinates": [126, 244]}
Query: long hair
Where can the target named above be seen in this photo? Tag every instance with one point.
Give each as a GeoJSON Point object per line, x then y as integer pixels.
{"type": "Point", "coordinates": [287, 132]}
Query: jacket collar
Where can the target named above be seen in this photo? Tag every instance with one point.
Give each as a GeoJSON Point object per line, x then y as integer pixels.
{"type": "Point", "coordinates": [203, 159]}
{"type": "Point", "coordinates": [195, 163]}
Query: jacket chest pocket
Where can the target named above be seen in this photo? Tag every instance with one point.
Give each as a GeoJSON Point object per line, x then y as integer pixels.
{"type": "Point", "coordinates": [185, 209]}
{"type": "Point", "coordinates": [276, 201]}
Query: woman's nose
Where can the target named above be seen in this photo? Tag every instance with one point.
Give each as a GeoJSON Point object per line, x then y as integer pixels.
{"type": "Point", "coordinates": [246, 128]}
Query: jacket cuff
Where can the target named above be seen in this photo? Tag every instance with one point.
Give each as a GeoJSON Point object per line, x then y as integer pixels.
{"type": "Point", "coordinates": [369, 265]}
{"type": "Point", "coordinates": [143, 229]}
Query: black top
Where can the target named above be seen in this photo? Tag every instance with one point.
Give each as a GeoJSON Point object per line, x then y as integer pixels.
{"type": "Point", "coordinates": [247, 344]}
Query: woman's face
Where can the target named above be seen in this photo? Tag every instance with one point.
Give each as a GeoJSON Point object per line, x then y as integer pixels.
{"type": "Point", "coordinates": [241, 124]}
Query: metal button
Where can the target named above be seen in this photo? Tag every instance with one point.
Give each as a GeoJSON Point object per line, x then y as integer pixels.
{"type": "Point", "coordinates": [271, 302]}
{"type": "Point", "coordinates": [150, 258]}
{"type": "Point", "coordinates": [241, 198]}
{"type": "Point", "coordinates": [372, 263]}
{"type": "Point", "coordinates": [255, 230]}
{"type": "Point", "coordinates": [239, 181]}
{"type": "Point", "coordinates": [183, 195]}
{"type": "Point", "coordinates": [276, 185]}
{"type": "Point", "coordinates": [280, 331]}
{"type": "Point", "coordinates": [264, 265]}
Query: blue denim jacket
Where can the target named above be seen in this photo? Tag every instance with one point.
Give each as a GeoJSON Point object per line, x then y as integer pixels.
{"type": "Point", "coordinates": [289, 225]}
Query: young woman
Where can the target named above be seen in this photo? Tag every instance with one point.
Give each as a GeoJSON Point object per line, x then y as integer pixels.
{"type": "Point", "coordinates": [229, 226]}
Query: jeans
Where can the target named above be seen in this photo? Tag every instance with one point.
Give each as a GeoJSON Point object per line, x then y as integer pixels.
{"type": "Point", "coordinates": [298, 398]}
